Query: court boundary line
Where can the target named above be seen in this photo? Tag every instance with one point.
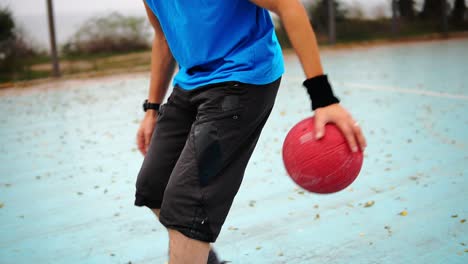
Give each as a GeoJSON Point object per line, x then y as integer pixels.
{"type": "Point", "coordinates": [405, 90]}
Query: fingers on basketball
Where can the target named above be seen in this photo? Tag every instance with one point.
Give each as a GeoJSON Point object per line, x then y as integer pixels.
{"type": "Point", "coordinates": [348, 133]}
{"type": "Point", "coordinates": [319, 127]}
{"type": "Point", "coordinates": [359, 135]}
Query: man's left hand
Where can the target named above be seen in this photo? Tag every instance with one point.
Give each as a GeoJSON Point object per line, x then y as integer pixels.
{"type": "Point", "coordinates": [338, 115]}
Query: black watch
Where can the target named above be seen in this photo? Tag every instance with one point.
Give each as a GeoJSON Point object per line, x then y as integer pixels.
{"type": "Point", "coordinates": [147, 105]}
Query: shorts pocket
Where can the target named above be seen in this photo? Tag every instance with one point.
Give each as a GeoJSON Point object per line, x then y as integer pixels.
{"type": "Point", "coordinates": [207, 151]}
{"type": "Point", "coordinates": [214, 141]}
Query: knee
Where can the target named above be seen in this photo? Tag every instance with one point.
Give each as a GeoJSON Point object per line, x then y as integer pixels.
{"type": "Point", "coordinates": [183, 249]}
{"type": "Point", "coordinates": [177, 238]}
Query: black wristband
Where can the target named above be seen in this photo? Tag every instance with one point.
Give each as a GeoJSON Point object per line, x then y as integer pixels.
{"type": "Point", "coordinates": [320, 91]}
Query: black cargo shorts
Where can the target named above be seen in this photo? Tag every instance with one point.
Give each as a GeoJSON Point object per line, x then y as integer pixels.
{"type": "Point", "coordinates": [198, 153]}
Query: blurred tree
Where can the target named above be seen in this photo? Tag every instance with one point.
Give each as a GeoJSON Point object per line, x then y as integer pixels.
{"type": "Point", "coordinates": [395, 15]}
{"type": "Point", "coordinates": [432, 9]}
{"type": "Point", "coordinates": [14, 51]}
{"type": "Point", "coordinates": [445, 8]}
{"type": "Point", "coordinates": [319, 14]}
{"type": "Point", "coordinates": [457, 16]}
{"type": "Point", "coordinates": [380, 11]}
{"type": "Point", "coordinates": [113, 33]}
{"type": "Point", "coordinates": [406, 9]}
{"type": "Point", "coordinates": [355, 11]}
{"type": "Point", "coordinates": [436, 11]}
{"type": "Point", "coordinates": [7, 25]}
{"type": "Point", "coordinates": [7, 40]}
{"type": "Point", "coordinates": [331, 22]}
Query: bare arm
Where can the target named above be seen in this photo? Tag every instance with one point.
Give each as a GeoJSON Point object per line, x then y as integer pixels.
{"type": "Point", "coordinates": [162, 62]}
{"type": "Point", "coordinates": [294, 17]}
{"type": "Point", "coordinates": [162, 69]}
{"type": "Point", "coordinates": [301, 35]}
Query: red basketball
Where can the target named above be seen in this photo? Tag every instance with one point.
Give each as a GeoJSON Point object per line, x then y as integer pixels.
{"type": "Point", "coordinates": [326, 165]}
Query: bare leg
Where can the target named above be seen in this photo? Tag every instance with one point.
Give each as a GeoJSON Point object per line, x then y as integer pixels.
{"type": "Point", "coordinates": [156, 212]}
{"type": "Point", "coordinates": [184, 250]}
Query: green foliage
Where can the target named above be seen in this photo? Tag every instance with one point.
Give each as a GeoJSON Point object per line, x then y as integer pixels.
{"type": "Point", "coordinates": [7, 41]}
{"type": "Point", "coordinates": [7, 25]}
{"type": "Point", "coordinates": [14, 51]}
{"type": "Point", "coordinates": [406, 9]}
{"type": "Point", "coordinates": [113, 33]}
{"type": "Point", "coordinates": [282, 36]}
{"type": "Point", "coordinates": [432, 9]}
{"type": "Point", "coordinates": [355, 11]}
{"type": "Point", "coordinates": [319, 14]}
{"type": "Point", "coordinates": [362, 29]}
{"type": "Point", "coordinates": [459, 14]}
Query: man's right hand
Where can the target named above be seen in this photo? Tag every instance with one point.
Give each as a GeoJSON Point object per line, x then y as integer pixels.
{"type": "Point", "coordinates": [145, 131]}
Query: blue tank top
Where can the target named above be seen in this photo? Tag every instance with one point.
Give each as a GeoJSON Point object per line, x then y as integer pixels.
{"type": "Point", "coordinates": [215, 41]}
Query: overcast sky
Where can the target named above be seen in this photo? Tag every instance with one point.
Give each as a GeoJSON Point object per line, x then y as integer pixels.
{"type": "Point", "coordinates": [32, 7]}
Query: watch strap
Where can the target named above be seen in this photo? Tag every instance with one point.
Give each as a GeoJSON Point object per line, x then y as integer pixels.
{"type": "Point", "coordinates": [150, 106]}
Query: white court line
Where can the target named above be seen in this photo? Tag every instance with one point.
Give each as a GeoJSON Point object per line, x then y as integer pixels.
{"type": "Point", "coordinates": [405, 90]}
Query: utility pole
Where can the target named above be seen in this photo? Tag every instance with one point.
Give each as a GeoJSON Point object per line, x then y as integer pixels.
{"type": "Point", "coordinates": [331, 22]}
{"type": "Point", "coordinates": [395, 28]}
{"type": "Point", "coordinates": [53, 43]}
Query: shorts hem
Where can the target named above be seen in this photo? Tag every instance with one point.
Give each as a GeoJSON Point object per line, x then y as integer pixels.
{"type": "Point", "coordinates": [141, 200]}
{"type": "Point", "coordinates": [188, 232]}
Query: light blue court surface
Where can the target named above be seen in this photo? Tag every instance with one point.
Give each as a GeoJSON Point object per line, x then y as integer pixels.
{"type": "Point", "coordinates": [68, 164]}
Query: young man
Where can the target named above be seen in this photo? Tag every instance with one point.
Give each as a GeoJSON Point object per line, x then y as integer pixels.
{"type": "Point", "coordinates": [198, 144]}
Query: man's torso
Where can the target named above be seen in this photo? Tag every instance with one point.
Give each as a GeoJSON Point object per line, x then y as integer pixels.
{"type": "Point", "coordinates": [216, 41]}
